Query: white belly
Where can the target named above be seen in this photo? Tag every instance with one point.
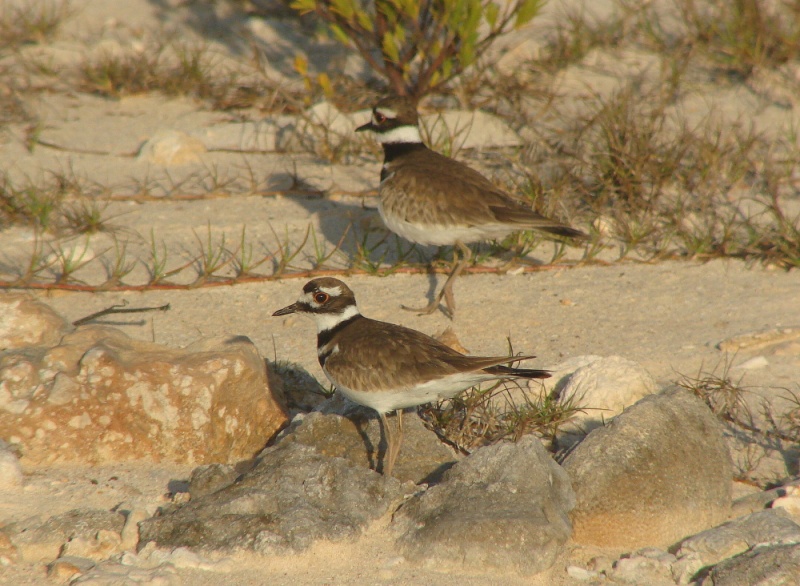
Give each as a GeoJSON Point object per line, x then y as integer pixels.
{"type": "Point", "coordinates": [442, 234]}
{"type": "Point", "coordinates": [435, 390]}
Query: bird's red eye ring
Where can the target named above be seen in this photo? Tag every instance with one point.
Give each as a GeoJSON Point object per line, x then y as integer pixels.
{"type": "Point", "coordinates": [321, 297]}
{"type": "Point", "coordinates": [379, 118]}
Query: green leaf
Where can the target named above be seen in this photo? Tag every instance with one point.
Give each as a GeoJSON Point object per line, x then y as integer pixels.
{"type": "Point", "coordinates": [491, 12]}
{"type": "Point", "coordinates": [526, 10]}
{"type": "Point", "coordinates": [340, 35]}
{"type": "Point", "coordinates": [390, 50]}
{"type": "Point", "coordinates": [343, 7]}
{"type": "Point", "coordinates": [304, 6]}
{"type": "Point", "coordinates": [365, 20]}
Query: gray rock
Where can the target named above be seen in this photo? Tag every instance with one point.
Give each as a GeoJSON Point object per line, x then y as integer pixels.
{"type": "Point", "coordinates": [767, 566]}
{"type": "Point", "coordinates": [734, 537]}
{"type": "Point", "coordinates": [503, 508]}
{"type": "Point", "coordinates": [293, 497]}
{"type": "Point", "coordinates": [346, 430]}
{"type": "Point", "coordinates": [38, 540]}
{"type": "Point", "coordinates": [649, 567]}
{"type": "Point", "coordinates": [115, 574]}
{"type": "Point", "coordinates": [656, 473]}
{"type": "Point", "coordinates": [210, 478]}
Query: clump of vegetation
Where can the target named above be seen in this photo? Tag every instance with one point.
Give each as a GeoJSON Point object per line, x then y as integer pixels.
{"type": "Point", "coordinates": [31, 22]}
{"type": "Point", "coordinates": [416, 45]}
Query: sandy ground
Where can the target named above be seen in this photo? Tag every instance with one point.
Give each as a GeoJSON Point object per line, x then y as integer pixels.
{"type": "Point", "coordinates": [670, 316]}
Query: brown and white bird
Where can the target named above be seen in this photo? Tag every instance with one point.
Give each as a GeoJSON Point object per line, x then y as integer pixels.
{"type": "Point", "coordinates": [389, 367]}
{"type": "Point", "coordinates": [431, 199]}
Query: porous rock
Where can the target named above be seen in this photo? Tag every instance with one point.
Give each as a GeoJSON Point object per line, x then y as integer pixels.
{"type": "Point", "coordinates": [101, 396]}
{"type": "Point", "coordinates": [503, 508]}
{"type": "Point", "coordinates": [764, 566]}
{"type": "Point", "coordinates": [654, 474]}
{"type": "Point", "coordinates": [293, 497]}
{"type": "Point", "coordinates": [24, 321]}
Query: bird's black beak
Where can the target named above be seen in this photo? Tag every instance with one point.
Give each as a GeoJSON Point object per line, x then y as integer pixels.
{"type": "Point", "coordinates": [367, 126]}
{"type": "Point", "coordinates": [286, 310]}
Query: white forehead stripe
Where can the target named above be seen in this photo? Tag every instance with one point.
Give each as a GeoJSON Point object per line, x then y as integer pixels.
{"type": "Point", "coordinates": [388, 112]}
{"type": "Point", "coordinates": [332, 291]}
{"type": "Point", "coordinates": [401, 134]}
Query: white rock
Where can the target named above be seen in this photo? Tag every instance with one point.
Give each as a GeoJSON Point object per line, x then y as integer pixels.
{"type": "Point", "coordinates": [754, 363]}
{"type": "Point", "coordinates": [10, 470]}
{"type": "Point", "coordinates": [171, 147]}
{"type": "Point", "coordinates": [603, 386]}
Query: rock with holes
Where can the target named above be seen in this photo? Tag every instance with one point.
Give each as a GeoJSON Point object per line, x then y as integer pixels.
{"type": "Point", "coordinates": [100, 396]}
{"type": "Point", "coordinates": [504, 508]}
{"type": "Point", "coordinates": [654, 474]}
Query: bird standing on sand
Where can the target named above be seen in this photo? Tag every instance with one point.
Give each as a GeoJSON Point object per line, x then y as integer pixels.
{"type": "Point", "coordinates": [431, 199]}
{"type": "Point", "coordinates": [389, 367]}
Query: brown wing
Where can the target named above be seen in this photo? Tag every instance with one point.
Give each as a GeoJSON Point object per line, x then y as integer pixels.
{"type": "Point", "coordinates": [432, 177]}
{"type": "Point", "coordinates": [384, 356]}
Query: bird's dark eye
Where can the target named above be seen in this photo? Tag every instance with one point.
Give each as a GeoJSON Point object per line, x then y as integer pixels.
{"type": "Point", "coordinates": [321, 297]}
{"type": "Point", "coordinates": [379, 118]}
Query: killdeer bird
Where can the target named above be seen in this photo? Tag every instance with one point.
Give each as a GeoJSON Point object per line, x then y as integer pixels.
{"type": "Point", "coordinates": [389, 367]}
{"type": "Point", "coordinates": [431, 199]}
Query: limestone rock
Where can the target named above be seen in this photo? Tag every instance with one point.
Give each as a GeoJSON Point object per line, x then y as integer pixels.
{"type": "Point", "coordinates": [67, 568]}
{"type": "Point", "coordinates": [10, 470]}
{"type": "Point", "coordinates": [101, 396]}
{"type": "Point", "coordinates": [604, 386]}
{"type": "Point", "coordinates": [649, 566]}
{"type": "Point", "coordinates": [656, 473]}
{"type": "Point", "coordinates": [293, 497]}
{"type": "Point", "coordinates": [172, 147]}
{"type": "Point", "coordinates": [210, 478]}
{"type": "Point", "coordinates": [25, 321]}
{"type": "Point", "coordinates": [114, 574]}
{"type": "Point", "coordinates": [38, 540]}
{"type": "Point", "coordinates": [767, 566]}
{"type": "Point", "coordinates": [346, 430]}
{"type": "Point", "coordinates": [772, 526]}
{"type": "Point", "coordinates": [503, 508]}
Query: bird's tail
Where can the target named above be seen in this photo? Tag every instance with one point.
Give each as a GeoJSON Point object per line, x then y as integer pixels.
{"type": "Point", "coordinates": [564, 231]}
{"type": "Point", "coordinates": [518, 372]}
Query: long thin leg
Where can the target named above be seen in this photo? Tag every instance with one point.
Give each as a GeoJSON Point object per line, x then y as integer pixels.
{"type": "Point", "coordinates": [447, 291]}
{"type": "Point", "coordinates": [388, 464]}
{"type": "Point", "coordinates": [393, 442]}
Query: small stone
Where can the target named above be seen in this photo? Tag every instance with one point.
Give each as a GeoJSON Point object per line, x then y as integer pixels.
{"type": "Point", "coordinates": [65, 568]}
{"type": "Point", "coordinates": [10, 470]}
{"type": "Point", "coordinates": [755, 363]}
{"type": "Point", "coordinates": [582, 574]}
{"type": "Point", "coordinates": [101, 547]}
{"type": "Point", "coordinates": [172, 147]}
